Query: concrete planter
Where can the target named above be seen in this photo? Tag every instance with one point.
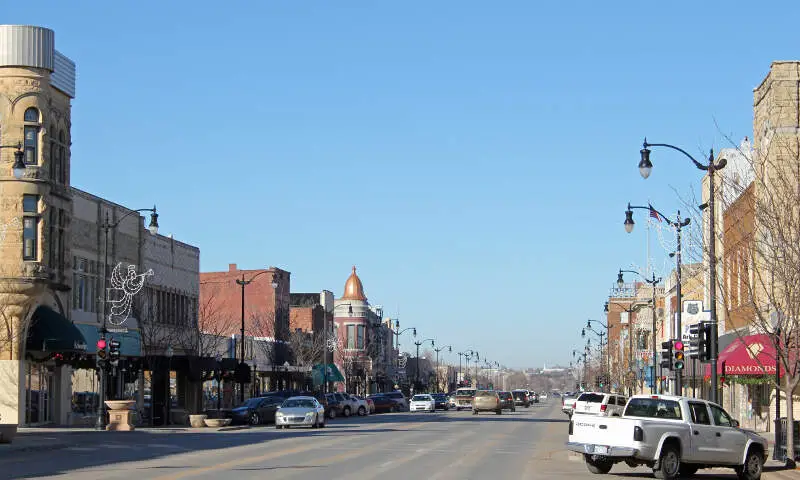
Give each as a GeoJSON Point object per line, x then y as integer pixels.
{"type": "Point", "coordinates": [197, 421]}
{"type": "Point", "coordinates": [217, 422]}
{"type": "Point", "coordinates": [7, 433]}
{"type": "Point", "coordinates": [120, 413]}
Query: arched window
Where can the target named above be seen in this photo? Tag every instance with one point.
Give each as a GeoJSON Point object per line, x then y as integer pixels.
{"type": "Point", "coordinates": [31, 136]}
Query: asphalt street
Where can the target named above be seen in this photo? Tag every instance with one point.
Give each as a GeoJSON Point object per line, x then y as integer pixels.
{"type": "Point", "coordinates": [527, 444]}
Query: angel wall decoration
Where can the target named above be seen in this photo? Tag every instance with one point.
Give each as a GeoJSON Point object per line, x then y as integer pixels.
{"type": "Point", "coordinates": [124, 285]}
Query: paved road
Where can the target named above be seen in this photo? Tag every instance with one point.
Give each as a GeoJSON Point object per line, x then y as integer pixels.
{"type": "Point", "coordinates": [527, 444]}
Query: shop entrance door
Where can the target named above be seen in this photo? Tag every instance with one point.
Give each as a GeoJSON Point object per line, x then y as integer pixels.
{"type": "Point", "coordinates": [39, 380]}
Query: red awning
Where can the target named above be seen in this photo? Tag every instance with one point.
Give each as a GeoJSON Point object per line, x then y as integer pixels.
{"type": "Point", "coordinates": [749, 355]}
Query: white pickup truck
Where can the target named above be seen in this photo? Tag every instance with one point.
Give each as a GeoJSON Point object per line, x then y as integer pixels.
{"type": "Point", "coordinates": [675, 436]}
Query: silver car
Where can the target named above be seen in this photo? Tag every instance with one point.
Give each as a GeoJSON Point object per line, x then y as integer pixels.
{"type": "Point", "coordinates": [300, 412]}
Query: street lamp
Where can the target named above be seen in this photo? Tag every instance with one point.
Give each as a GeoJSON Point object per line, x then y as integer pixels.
{"type": "Point", "coordinates": [107, 226]}
{"type": "Point", "coordinates": [397, 332]}
{"type": "Point", "coordinates": [602, 335]}
{"type": "Point", "coordinates": [18, 169]}
{"type": "Point", "coordinates": [678, 225]}
{"type": "Point", "coordinates": [630, 309]}
{"type": "Point", "coordinates": [218, 358]}
{"type": "Point", "coordinates": [437, 350]}
{"type": "Point", "coordinates": [652, 282]}
{"type": "Point", "coordinates": [467, 354]}
{"type": "Point", "coordinates": [645, 167]}
{"type": "Point", "coordinates": [416, 375]}
{"type": "Point", "coordinates": [243, 284]}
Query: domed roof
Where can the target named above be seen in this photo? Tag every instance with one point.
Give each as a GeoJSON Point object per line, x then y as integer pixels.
{"type": "Point", "coordinates": [353, 289]}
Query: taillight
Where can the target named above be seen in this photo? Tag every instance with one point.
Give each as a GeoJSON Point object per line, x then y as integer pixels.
{"type": "Point", "coordinates": [638, 434]}
{"type": "Point", "coordinates": [573, 405]}
{"type": "Point", "coordinates": [603, 408]}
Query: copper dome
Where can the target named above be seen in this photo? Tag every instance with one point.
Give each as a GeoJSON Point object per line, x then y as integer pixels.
{"type": "Point", "coordinates": [353, 289]}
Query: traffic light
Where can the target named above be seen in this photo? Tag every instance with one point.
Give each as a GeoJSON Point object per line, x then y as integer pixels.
{"type": "Point", "coordinates": [666, 355]}
{"type": "Point", "coordinates": [101, 349]}
{"type": "Point", "coordinates": [679, 355]}
{"type": "Point", "coordinates": [704, 342]}
{"type": "Point", "coordinates": [113, 351]}
{"type": "Point", "coordinates": [602, 381]}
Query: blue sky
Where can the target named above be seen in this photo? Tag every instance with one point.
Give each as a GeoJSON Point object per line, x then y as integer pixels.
{"type": "Point", "coordinates": [473, 159]}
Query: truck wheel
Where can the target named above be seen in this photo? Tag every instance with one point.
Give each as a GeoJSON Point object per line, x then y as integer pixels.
{"type": "Point", "coordinates": [598, 464]}
{"type": "Point", "coordinates": [669, 463]}
{"type": "Point", "coordinates": [753, 465]}
{"type": "Point", "coordinates": [687, 470]}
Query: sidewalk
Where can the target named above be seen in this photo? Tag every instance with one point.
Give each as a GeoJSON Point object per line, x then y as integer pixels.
{"type": "Point", "coordinates": [54, 438]}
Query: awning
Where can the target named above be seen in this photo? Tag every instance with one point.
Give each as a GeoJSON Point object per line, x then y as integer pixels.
{"type": "Point", "coordinates": [130, 342]}
{"type": "Point", "coordinates": [318, 374]}
{"type": "Point", "coordinates": [748, 355]}
{"type": "Point", "coordinates": [52, 332]}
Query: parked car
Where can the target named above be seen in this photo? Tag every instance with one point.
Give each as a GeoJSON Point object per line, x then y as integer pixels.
{"type": "Point", "coordinates": [486, 401]}
{"type": "Point", "coordinates": [442, 402]}
{"type": "Point", "coordinates": [422, 403]}
{"type": "Point", "coordinates": [384, 404]}
{"type": "Point", "coordinates": [599, 403]}
{"type": "Point", "coordinates": [300, 411]}
{"type": "Point", "coordinates": [256, 411]}
{"type": "Point", "coordinates": [521, 398]}
{"type": "Point", "coordinates": [363, 406]}
{"type": "Point", "coordinates": [335, 406]}
{"type": "Point", "coordinates": [675, 436]}
{"type": "Point", "coordinates": [507, 401]}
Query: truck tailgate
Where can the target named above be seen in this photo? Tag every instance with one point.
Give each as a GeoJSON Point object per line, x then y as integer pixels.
{"type": "Point", "coordinates": [596, 430]}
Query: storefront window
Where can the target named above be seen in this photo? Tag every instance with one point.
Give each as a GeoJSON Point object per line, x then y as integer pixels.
{"type": "Point", "coordinates": [38, 385]}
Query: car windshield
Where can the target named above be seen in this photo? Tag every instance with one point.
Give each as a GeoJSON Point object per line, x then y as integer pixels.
{"type": "Point", "coordinates": [485, 393]}
{"type": "Point", "coordinates": [421, 398]}
{"type": "Point", "coordinates": [298, 403]}
{"type": "Point", "coordinates": [439, 396]}
{"type": "Point", "coordinates": [465, 393]}
{"type": "Point", "coordinates": [519, 394]}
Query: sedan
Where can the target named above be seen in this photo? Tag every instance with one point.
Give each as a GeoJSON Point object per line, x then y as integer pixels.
{"type": "Point", "coordinates": [300, 411]}
{"type": "Point", "coordinates": [442, 402]}
{"type": "Point", "coordinates": [422, 403]}
{"type": "Point", "coordinates": [385, 404]}
{"type": "Point", "coordinates": [256, 411]}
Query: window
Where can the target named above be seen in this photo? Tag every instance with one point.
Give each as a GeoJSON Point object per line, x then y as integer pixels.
{"type": "Point", "coordinates": [720, 417]}
{"type": "Point", "coordinates": [699, 413]}
{"type": "Point", "coordinates": [30, 244]}
{"type": "Point", "coordinates": [31, 133]}
{"type": "Point", "coordinates": [360, 330]}
{"type": "Point", "coordinates": [85, 285]}
{"type": "Point", "coordinates": [351, 336]}
{"type": "Point", "coordinates": [30, 227]}
{"type": "Point", "coordinates": [653, 408]}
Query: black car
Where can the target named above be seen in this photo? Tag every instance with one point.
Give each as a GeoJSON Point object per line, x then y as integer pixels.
{"type": "Point", "coordinates": [441, 401]}
{"type": "Point", "coordinates": [257, 411]}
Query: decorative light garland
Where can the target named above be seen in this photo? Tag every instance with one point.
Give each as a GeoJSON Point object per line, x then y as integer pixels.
{"type": "Point", "coordinates": [129, 284]}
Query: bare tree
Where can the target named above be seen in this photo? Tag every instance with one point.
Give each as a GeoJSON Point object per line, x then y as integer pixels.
{"type": "Point", "coordinates": [214, 325]}
{"type": "Point", "coordinates": [306, 347]}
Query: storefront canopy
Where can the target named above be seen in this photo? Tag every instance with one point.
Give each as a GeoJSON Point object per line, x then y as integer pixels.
{"type": "Point", "coordinates": [318, 374]}
{"type": "Point", "coordinates": [748, 355]}
{"type": "Point", "coordinates": [130, 342]}
{"type": "Point", "coordinates": [51, 332]}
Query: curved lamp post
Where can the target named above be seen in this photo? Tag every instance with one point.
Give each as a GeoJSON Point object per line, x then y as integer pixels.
{"type": "Point", "coordinates": [467, 354]}
{"type": "Point", "coordinates": [652, 282]}
{"type": "Point", "coordinates": [630, 308]}
{"type": "Point", "coordinates": [108, 226]}
{"type": "Point", "coordinates": [397, 332]}
{"type": "Point", "coordinates": [645, 167]}
{"type": "Point", "coordinates": [678, 225]}
{"type": "Point", "coordinates": [437, 350]}
{"type": "Point", "coordinates": [603, 335]}
{"type": "Point", "coordinates": [418, 344]}
{"type": "Point", "coordinates": [243, 283]}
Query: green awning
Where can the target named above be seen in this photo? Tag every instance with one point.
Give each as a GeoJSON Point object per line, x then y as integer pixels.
{"type": "Point", "coordinates": [51, 332]}
{"type": "Point", "coordinates": [318, 374]}
{"type": "Point", "coordinates": [130, 341]}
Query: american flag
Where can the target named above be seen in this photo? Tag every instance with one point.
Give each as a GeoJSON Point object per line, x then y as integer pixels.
{"type": "Point", "coordinates": [654, 214]}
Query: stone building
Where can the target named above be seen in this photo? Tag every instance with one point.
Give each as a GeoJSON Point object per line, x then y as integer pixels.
{"type": "Point", "coordinates": [52, 253]}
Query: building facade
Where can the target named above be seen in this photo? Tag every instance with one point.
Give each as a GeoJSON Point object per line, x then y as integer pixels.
{"type": "Point", "coordinates": [363, 350]}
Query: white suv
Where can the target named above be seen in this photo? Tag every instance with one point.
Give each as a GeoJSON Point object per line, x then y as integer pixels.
{"type": "Point", "coordinates": [600, 404]}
